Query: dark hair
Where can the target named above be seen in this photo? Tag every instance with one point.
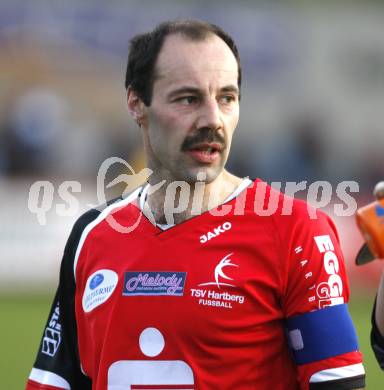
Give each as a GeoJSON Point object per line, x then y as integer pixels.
{"type": "Point", "coordinates": [144, 50]}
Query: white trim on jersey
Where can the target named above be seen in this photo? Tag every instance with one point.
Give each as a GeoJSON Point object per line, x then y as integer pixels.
{"type": "Point", "coordinates": [48, 378]}
{"type": "Point", "coordinates": [338, 373]}
{"type": "Point", "coordinates": [164, 226]}
{"type": "Point", "coordinates": [242, 186]}
{"type": "Point", "coordinates": [143, 197]}
{"type": "Point", "coordinates": [100, 218]}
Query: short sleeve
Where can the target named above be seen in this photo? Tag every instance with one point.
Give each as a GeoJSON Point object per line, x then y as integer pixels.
{"type": "Point", "coordinates": [57, 364]}
{"type": "Point", "coordinates": [320, 331]}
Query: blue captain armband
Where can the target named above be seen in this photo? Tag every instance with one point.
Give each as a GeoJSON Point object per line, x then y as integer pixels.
{"type": "Point", "coordinates": [321, 334]}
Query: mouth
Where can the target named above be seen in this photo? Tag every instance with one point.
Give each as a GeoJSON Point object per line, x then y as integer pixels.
{"type": "Point", "coordinates": [205, 153]}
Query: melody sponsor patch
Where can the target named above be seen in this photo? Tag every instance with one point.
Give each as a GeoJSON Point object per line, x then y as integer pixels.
{"type": "Point", "coordinates": [154, 283]}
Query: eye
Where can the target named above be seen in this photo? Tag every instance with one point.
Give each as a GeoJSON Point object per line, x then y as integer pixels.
{"type": "Point", "coordinates": [187, 100]}
{"type": "Point", "coordinates": [227, 99]}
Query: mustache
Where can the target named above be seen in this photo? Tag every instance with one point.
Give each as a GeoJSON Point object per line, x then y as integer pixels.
{"type": "Point", "coordinates": [204, 135]}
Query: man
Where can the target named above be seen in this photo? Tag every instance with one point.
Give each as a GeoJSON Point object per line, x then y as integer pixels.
{"type": "Point", "coordinates": [377, 319]}
{"type": "Point", "coordinates": [370, 220]}
{"type": "Point", "coordinates": [377, 333]}
{"type": "Point", "coordinates": [204, 292]}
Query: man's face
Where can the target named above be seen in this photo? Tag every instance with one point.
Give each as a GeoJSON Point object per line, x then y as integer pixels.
{"type": "Point", "coordinates": [194, 109]}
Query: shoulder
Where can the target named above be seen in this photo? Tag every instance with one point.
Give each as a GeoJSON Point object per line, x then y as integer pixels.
{"type": "Point", "coordinates": [90, 219]}
{"type": "Point", "coordinates": [268, 200]}
{"type": "Point", "coordinates": [292, 221]}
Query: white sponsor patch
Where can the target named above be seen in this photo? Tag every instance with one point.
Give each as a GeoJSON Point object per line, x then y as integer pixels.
{"type": "Point", "coordinates": [100, 286]}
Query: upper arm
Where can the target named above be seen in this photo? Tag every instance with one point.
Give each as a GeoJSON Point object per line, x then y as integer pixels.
{"type": "Point", "coordinates": [57, 363]}
{"type": "Point", "coordinates": [320, 330]}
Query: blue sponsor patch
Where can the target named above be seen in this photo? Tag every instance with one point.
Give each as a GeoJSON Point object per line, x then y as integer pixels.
{"type": "Point", "coordinates": [380, 211]}
{"type": "Point", "coordinates": [96, 281]}
{"type": "Point", "coordinates": [154, 283]}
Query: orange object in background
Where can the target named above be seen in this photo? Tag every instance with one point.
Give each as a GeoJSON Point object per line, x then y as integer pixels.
{"type": "Point", "coordinates": [370, 220]}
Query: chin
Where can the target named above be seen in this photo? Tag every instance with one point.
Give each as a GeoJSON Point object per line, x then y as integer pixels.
{"type": "Point", "coordinates": [202, 174]}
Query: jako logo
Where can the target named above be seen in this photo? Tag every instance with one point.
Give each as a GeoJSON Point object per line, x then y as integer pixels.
{"type": "Point", "coordinates": [219, 273]}
{"type": "Point", "coordinates": [216, 232]}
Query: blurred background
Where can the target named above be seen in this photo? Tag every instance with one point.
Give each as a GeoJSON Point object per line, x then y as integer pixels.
{"type": "Point", "coordinates": [312, 109]}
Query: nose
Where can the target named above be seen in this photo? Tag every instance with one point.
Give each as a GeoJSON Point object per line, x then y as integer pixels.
{"type": "Point", "coordinates": [210, 115]}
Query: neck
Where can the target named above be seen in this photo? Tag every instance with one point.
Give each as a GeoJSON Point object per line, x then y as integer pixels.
{"type": "Point", "coordinates": [172, 202]}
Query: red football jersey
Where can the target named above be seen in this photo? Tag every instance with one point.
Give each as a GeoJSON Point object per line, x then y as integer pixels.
{"type": "Point", "coordinates": [201, 305]}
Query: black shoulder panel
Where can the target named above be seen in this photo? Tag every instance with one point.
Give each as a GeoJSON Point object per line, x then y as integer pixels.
{"type": "Point", "coordinates": [58, 352]}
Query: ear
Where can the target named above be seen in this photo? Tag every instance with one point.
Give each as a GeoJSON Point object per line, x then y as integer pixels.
{"type": "Point", "coordinates": [136, 107]}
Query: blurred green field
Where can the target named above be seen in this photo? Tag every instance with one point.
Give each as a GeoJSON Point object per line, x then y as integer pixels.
{"type": "Point", "coordinates": [23, 318]}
